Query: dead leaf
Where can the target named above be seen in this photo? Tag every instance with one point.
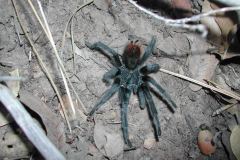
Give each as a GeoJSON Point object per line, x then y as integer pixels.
{"type": "Point", "coordinates": [110, 144]}
{"type": "Point", "coordinates": [54, 126]}
{"type": "Point", "coordinates": [14, 146]}
{"type": "Point", "coordinates": [84, 53]}
{"type": "Point", "coordinates": [114, 144]}
{"type": "Point", "coordinates": [4, 117]}
{"type": "Point", "coordinates": [99, 137]}
{"type": "Point", "coordinates": [235, 141]}
{"type": "Point", "coordinates": [14, 85]}
{"type": "Point", "coordinates": [225, 138]}
{"type": "Point", "coordinates": [235, 110]}
{"type": "Point", "coordinates": [222, 31]}
{"type": "Point", "coordinates": [211, 24]}
{"type": "Point", "coordinates": [202, 67]}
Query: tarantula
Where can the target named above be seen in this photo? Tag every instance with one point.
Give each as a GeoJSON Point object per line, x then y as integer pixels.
{"type": "Point", "coordinates": [130, 76]}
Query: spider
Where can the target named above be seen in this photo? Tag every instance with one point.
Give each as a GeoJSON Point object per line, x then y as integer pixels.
{"type": "Point", "coordinates": [130, 76]}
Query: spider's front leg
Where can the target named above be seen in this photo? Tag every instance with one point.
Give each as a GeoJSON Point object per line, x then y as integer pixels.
{"type": "Point", "coordinates": [110, 75]}
{"type": "Point", "coordinates": [124, 96]}
{"type": "Point", "coordinates": [148, 51]}
{"type": "Point", "coordinates": [107, 51]}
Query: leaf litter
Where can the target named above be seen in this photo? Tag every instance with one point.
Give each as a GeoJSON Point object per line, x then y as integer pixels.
{"type": "Point", "coordinates": [52, 123]}
{"type": "Point", "coordinates": [109, 143]}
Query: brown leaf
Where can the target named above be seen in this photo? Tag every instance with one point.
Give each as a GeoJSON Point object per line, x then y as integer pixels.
{"type": "Point", "coordinates": [54, 126]}
{"type": "Point", "coordinates": [222, 31]}
{"type": "Point", "coordinates": [14, 85]}
{"type": "Point", "coordinates": [224, 21]}
{"type": "Point", "coordinates": [211, 24]}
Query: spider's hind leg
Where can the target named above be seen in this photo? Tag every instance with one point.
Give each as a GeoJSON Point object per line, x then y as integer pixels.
{"type": "Point", "coordinates": [107, 51]}
{"type": "Point", "coordinates": [141, 98]}
{"type": "Point", "coordinates": [106, 96]}
{"type": "Point", "coordinates": [162, 93]}
{"type": "Point", "coordinates": [152, 112]}
{"type": "Point", "coordinates": [124, 95]}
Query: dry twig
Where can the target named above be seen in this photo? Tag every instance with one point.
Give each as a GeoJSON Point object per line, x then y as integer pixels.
{"type": "Point", "coordinates": [222, 91]}
{"type": "Point", "coordinates": [11, 78]}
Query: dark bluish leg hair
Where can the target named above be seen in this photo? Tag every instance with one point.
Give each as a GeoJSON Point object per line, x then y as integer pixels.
{"type": "Point", "coordinates": [162, 93]}
{"type": "Point", "coordinates": [150, 68]}
{"type": "Point", "coordinates": [124, 95]}
{"type": "Point", "coordinates": [106, 96]}
{"type": "Point", "coordinates": [148, 51]}
{"type": "Point", "coordinates": [152, 112]}
{"type": "Point", "coordinates": [107, 51]}
{"type": "Point", "coordinates": [110, 75]}
{"type": "Point", "coordinates": [141, 98]}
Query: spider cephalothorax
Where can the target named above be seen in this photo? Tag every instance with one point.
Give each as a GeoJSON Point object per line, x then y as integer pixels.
{"type": "Point", "coordinates": [131, 55]}
{"type": "Point", "coordinates": [130, 76]}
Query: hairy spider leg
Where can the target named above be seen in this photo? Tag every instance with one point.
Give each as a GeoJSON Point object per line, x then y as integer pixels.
{"type": "Point", "coordinates": [110, 75]}
{"type": "Point", "coordinates": [124, 95]}
{"type": "Point", "coordinates": [148, 51]}
{"type": "Point", "coordinates": [141, 98]}
{"type": "Point", "coordinates": [107, 51]}
{"type": "Point", "coordinates": [150, 68]}
{"type": "Point", "coordinates": [106, 96]}
{"type": "Point", "coordinates": [152, 112]}
{"type": "Point", "coordinates": [162, 93]}
{"type": "Point", "coordinates": [147, 69]}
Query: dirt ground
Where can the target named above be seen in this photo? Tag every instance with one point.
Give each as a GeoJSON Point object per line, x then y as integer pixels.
{"type": "Point", "coordinates": [177, 50]}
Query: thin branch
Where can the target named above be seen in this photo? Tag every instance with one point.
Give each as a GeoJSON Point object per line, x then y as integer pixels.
{"type": "Point", "coordinates": [73, 51]}
{"type": "Point", "coordinates": [207, 14]}
{"type": "Point", "coordinates": [34, 133]}
{"type": "Point", "coordinates": [11, 78]}
{"type": "Point", "coordinates": [69, 20]}
{"type": "Point", "coordinates": [220, 110]}
{"type": "Point", "coordinates": [181, 23]}
{"type": "Point", "coordinates": [222, 91]}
